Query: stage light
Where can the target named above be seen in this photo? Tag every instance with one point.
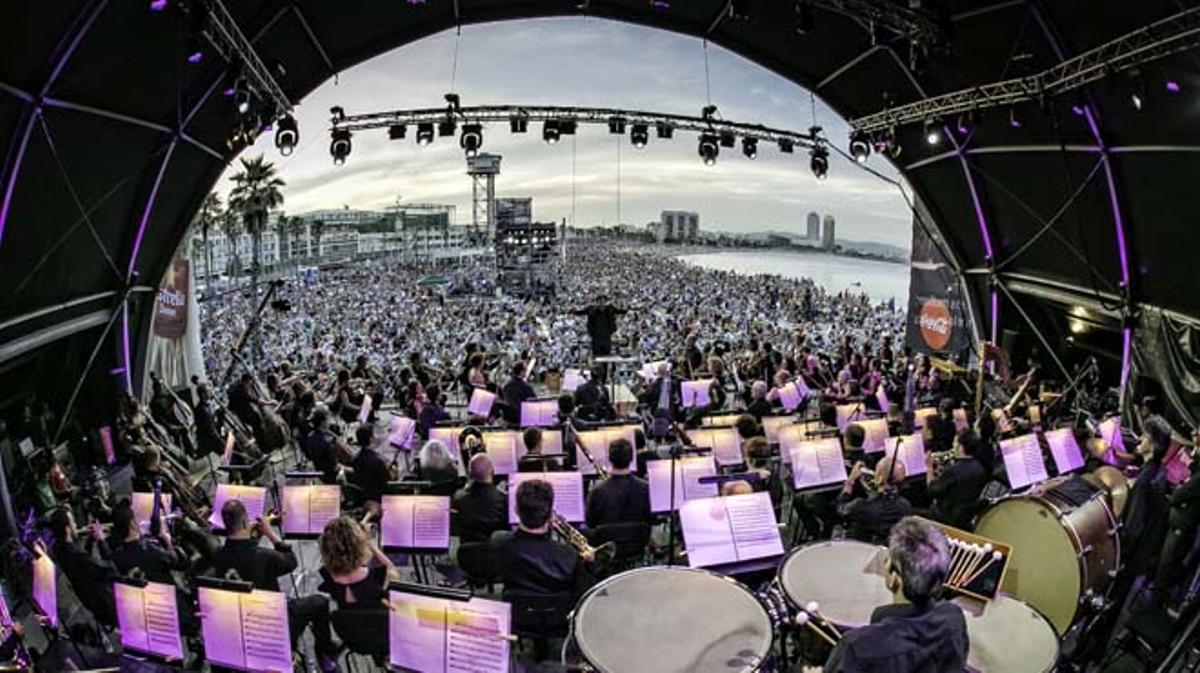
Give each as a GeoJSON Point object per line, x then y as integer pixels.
{"type": "Point", "coordinates": [287, 135]}
{"type": "Point", "coordinates": [195, 54]}
{"type": "Point", "coordinates": [819, 163]}
{"type": "Point", "coordinates": [616, 125]}
{"type": "Point", "coordinates": [424, 133]}
{"type": "Point", "coordinates": [339, 146]}
{"type": "Point", "coordinates": [933, 136]}
{"type": "Point", "coordinates": [551, 131]}
{"type": "Point", "coordinates": [1173, 86]}
{"type": "Point", "coordinates": [727, 139]}
{"type": "Point", "coordinates": [860, 148]}
{"type": "Point", "coordinates": [664, 130]}
{"type": "Point", "coordinates": [709, 149]}
{"type": "Point", "coordinates": [639, 135]}
{"type": "Point", "coordinates": [965, 122]}
{"type": "Point", "coordinates": [158, 5]}
{"type": "Point", "coordinates": [519, 123]}
{"type": "Point", "coordinates": [397, 131]}
{"type": "Point", "coordinates": [1014, 118]}
{"type": "Point", "coordinates": [786, 146]}
{"type": "Point", "coordinates": [750, 147]}
{"type": "Point", "coordinates": [447, 128]}
{"type": "Point", "coordinates": [1136, 99]}
{"type": "Point", "coordinates": [471, 139]}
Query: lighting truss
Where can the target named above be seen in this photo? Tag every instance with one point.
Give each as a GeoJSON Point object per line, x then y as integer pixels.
{"type": "Point", "coordinates": [229, 41]}
{"type": "Point", "coordinates": [600, 116]}
{"type": "Point", "coordinates": [899, 17]}
{"type": "Point", "coordinates": [1173, 34]}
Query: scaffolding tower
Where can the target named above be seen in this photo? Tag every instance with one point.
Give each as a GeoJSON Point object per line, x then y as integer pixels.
{"type": "Point", "coordinates": [483, 169]}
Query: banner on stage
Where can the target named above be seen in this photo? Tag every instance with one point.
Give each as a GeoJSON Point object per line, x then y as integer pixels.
{"type": "Point", "coordinates": [246, 631]}
{"type": "Point", "coordinates": [416, 522]}
{"type": "Point", "coordinates": [307, 508]}
{"type": "Point", "coordinates": [148, 617]}
{"type": "Point", "coordinates": [253, 498]}
{"type": "Point", "coordinates": [687, 481]}
{"type": "Point", "coordinates": [438, 635]}
{"type": "Point", "coordinates": [938, 319]}
{"type": "Point", "coordinates": [730, 529]}
{"type": "Point", "coordinates": [568, 493]}
{"type": "Point", "coordinates": [171, 305]}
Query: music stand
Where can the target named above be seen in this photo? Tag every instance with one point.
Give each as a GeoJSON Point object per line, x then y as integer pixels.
{"type": "Point", "coordinates": [676, 450]}
{"type": "Point", "coordinates": [148, 618]}
{"type": "Point", "coordinates": [390, 528]}
{"type": "Point", "coordinates": [216, 607]}
{"type": "Point", "coordinates": [305, 479]}
{"type": "Point", "coordinates": [429, 627]}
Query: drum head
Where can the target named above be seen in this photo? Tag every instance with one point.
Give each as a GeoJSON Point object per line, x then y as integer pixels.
{"type": "Point", "coordinates": [844, 577]}
{"type": "Point", "coordinates": [1008, 635]}
{"type": "Point", "coordinates": [672, 620]}
{"type": "Point", "coordinates": [1044, 569]}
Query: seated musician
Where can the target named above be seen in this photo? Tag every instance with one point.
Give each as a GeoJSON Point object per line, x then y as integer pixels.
{"type": "Point", "coordinates": [156, 557]}
{"type": "Point", "coordinates": [1183, 520]}
{"type": "Point", "coordinates": [348, 399]}
{"type": "Point", "coordinates": [433, 411]}
{"type": "Point", "coordinates": [438, 467]}
{"type": "Point", "coordinates": [591, 397]}
{"type": "Point", "coordinates": [516, 390]}
{"type": "Point", "coordinates": [480, 508]}
{"type": "Point", "coordinates": [347, 573]}
{"type": "Point", "coordinates": [664, 395]}
{"type": "Point", "coordinates": [869, 516]}
{"type": "Point", "coordinates": [532, 460]}
{"type": "Point", "coordinates": [759, 405]}
{"type": "Point", "coordinates": [148, 467]}
{"type": "Point", "coordinates": [263, 567]}
{"type": "Point", "coordinates": [529, 559]}
{"type": "Point", "coordinates": [623, 497]}
{"type": "Point", "coordinates": [917, 633]}
{"type": "Point", "coordinates": [757, 454]}
{"type": "Point", "coordinates": [323, 447]}
{"type": "Point", "coordinates": [90, 577]}
{"type": "Point", "coordinates": [955, 489]}
{"type": "Point", "coordinates": [210, 438]}
{"type": "Point", "coordinates": [940, 429]}
{"type": "Point", "coordinates": [368, 471]}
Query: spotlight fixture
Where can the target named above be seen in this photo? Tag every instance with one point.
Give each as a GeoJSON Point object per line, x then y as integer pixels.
{"type": "Point", "coordinates": [447, 128]}
{"type": "Point", "coordinates": [965, 122]}
{"type": "Point", "coordinates": [397, 131]}
{"type": "Point", "coordinates": [1173, 86]}
{"type": "Point", "coordinates": [750, 147]}
{"type": "Point", "coordinates": [287, 135]}
{"type": "Point", "coordinates": [471, 139]}
{"type": "Point", "coordinates": [339, 146]}
{"type": "Point", "coordinates": [1014, 118]}
{"type": "Point", "coordinates": [1136, 99]}
{"type": "Point", "coordinates": [551, 131]}
{"type": "Point", "coordinates": [639, 135]}
{"type": "Point", "coordinates": [195, 50]}
{"type": "Point", "coordinates": [337, 113]}
{"type": "Point", "coordinates": [424, 133]}
{"type": "Point", "coordinates": [616, 125]}
{"type": "Point", "coordinates": [819, 162]}
{"type": "Point", "coordinates": [860, 148]}
{"type": "Point", "coordinates": [519, 123]}
{"type": "Point", "coordinates": [932, 135]}
{"type": "Point", "coordinates": [664, 130]}
{"type": "Point", "coordinates": [727, 139]}
{"type": "Point", "coordinates": [709, 149]}
{"type": "Point", "coordinates": [158, 5]}
{"type": "Point", "coordinates": [786, 146]}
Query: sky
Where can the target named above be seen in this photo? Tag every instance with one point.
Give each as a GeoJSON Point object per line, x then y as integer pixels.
{"type": "Point", "coordinates": [585, 62]}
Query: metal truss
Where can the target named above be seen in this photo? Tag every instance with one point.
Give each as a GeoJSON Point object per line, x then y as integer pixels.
{"type": "Point", "coordinates": [1176, 33]}
{"type": "Point", "coordinates": [229, 41]}
{"type": "Point", "coordinates": [904, 18]}
{"type": "Point", "coordinates": [506, 113]}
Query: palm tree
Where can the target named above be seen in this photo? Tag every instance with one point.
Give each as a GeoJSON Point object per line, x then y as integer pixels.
{"type": "Point", "coordinates": [256, 194]}
{"type": "Point", "coordinates": [209, 216]}
{"type": "Point", "coordinates": [231, 226]}
{"type": "Point", "coordinates": [282, 240]}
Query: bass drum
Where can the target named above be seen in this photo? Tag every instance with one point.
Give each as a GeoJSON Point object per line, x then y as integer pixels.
{"type": "Point", "coordinates": [845, 578]}
{"type": "Point", "coordinates": [672, 620]}
{"type": "Point", "coordinates": [1065, 547]}
{"type": "Point", "coordinates": [1007, 635]}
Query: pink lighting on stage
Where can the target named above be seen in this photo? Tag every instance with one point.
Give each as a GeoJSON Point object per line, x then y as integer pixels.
{"type": "Point", "coordinates": [158, 5]}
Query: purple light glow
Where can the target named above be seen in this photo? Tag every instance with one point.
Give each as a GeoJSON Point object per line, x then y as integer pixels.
{"type": "Point", "coordinates": [1126, 353]}
{"type": "Point", "coordinates": [14, 172]}
{"type": "Point", "coordinates": [158, 5]}
{"type": "Point", "coordinates": [1078, 110]}
{"type": "Point", "coordinates": [1014, 122]}
{"type": "Point", "coordinates": [228, 91]}
{"type": "Point", "coordinates": [1173, 86]}
{"type": "Point", "coordinates": [995, 315]}
{"type": "Point", "coordinates": [196, 57]}
{"type": "Point", "coordinates": [125, 348]}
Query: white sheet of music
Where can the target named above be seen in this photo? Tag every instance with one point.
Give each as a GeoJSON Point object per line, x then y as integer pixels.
{"type": "Point", "coordinates": [725, 443]}
{"type": "Point", "coordinates": [307, 508]}
{"type": "Point", "coordinates": [850, 413]}
{"type": "Point", "coordinates": [919, 416]}
{"type": "Point", "coordinates": [729, 529]}
{"type": "Point", "coordinates": [416, 521]}
{"type": "Point", "coordinates": [401, 430]}
{"type": "Point", "coordinates": [911, 453]}
{"type": "Point", "coordinates": [719, 420]}
{"type": "Point", "coordinates": [505, 448]}
{"type": "Point", "coordinates": [687, 481]}
{"type": "Point", "coordinates": [1110, 432]}
{"type": "Point", "coordinates": [436, 635]}
{"type": "Point", "coordinates": [772, 424]}
{"type": "Point", "coordinates": [45, 588]}
{"type": "Point", "coordinates": [818, 462]}
{"type": "Point", "coordinates": [253, 498]}
{"type": "Point", "coordinates": [143, 507]}
{"type": "Point", "coordinates": [481, 402]}
{"type": "Point", "coordinates": [148, 618]}
{"type": "Point", "coordinates": [696, 393]}
{"type": "Point", "coordinates": [791, 396]}
{"type": "Point", "coordinates": [248, 631]}
{"type": "Point", "coordinates": [649, 371]}
{"type": "Point", "coordinates": [876, 430]}
{"type": "Point", "coordinates": [1064, 449]}
{"type": "Point", "coordinates": [597, 442]}
{"type": "Point", "coordinates": [364, 411]}
{"type": "Point", "coordinates": [1023, 460]}
{"type": "Point", "coordinates": [539, 413]}
{"type": "Point", "coordinates": [552, 443]}
{"type": "Point", "coordinates": [568, 493]}
{"type": "Point", "coordinates": [881, 397]}
{"type": "Point", "coordinates": [789, 437]}
{"type": "Point", "coordinates": [572, 379]}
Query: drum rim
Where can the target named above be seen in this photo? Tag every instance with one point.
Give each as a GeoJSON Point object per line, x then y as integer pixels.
{"type": "Point", "coordinates": [1058, 637]}
{"type": "Point", "coordinates": [811, 545]}
{"type": "Point", "coordinates": [587, 595]}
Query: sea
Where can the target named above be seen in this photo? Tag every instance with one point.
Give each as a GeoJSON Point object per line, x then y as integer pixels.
{"type": "Point", "coordinates": [880, 280]}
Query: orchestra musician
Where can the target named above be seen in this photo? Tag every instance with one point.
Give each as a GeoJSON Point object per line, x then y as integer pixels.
{"type": "Point", "coordinates": [210, 436]}
{"type": "Point", "coordinates": [368, 471]}
{"type": "Point", "coordinates": [263, 567]}
{"type": "Point", "coordinates": [479, 509]}
{"type": "Point", "coordinates": [529, 559]}
{"type": "Point", "coordinates": [347, 573]}
{"type": "Point", "coordinates": [437, 467]}
{"type": "Point", "coordinates": [516, 390]}
{"type": "Point", "coordinates": [156, 557]}
{"type": "Point", "coordinates": [956, 488]}
{"type": "Point", "coordinates": [90, 577]}
{"type": "Point", "coordinates": [591, 397]}
{"type": "Point", "coordinates": [1183, 520]}
{"type": "Point", "coordinates": [917, 633]}
{"type": "Point", "coordinates": [623, 497]}
{"type": "Point", "coordinates": [532, 460]}
{"type": "Point", "coordinates": [601, 323]}
{"type": "Point", "coordinates": [870, 516]}
{"type": "Point", "coordinates": [664, 395]}
{"type": "Point", "coordinates": [324, 448]}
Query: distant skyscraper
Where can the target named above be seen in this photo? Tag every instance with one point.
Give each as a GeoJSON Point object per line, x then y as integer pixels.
{"type": "Point", "coordinates": [680, 225]}
{"type": "Point", "coordinates": [828, 238]}
{"type": "Point", "coordinates": [814, 227]}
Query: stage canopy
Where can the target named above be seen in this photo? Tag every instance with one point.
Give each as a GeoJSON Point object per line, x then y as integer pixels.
{"type": "Point", "coordinates": [111, 139]}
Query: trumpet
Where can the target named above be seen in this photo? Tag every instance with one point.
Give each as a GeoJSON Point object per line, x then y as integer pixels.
{"type": "Point", "coordinates": [601, 556]}
{"type": "Point", "coordinates": [942, 458]}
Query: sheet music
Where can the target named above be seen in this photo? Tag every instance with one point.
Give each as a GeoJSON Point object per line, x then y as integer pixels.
{"type": "Point", "coordinates": [1110, 432]}
{"type": "Point", "coordinates": [719, 420]}
{"type": "Point", "coordinates": [1065, 450]}
{"type": "Point", "coordinates": [911, 453]}
{"type": "Point", "coordinates": [364, 411]}
{"type": "Point", "coordinates": [792, 395]}
{"type": "Point", "coordinates": [45, 588]}
{"type": "Point", "coordinates": [696, 393]}
{"type": "Point", "coordinates": [849, 413]}
{"type": "Point", "coordinates": [772, 424]}
{"type": "Point", "coordinates": [597, 442]}
{"type": "Point", "coordinates": [436, 635]}
{"type": "Point", "coordinates": [539, 413]}
{"type": "Point", "coordinates": [1023, 461]}
{"type": "Point", "coordinates": [148, 618]}
{"type": "Point", "coordinates": [818, 462]}
{"type": "Point", "coordinates": [568, 493]}
{"type": "Point", "coordinates": [572, 379]}
{"type": "Point", "coordinates": [729, 529]}
{"type": "Point", "coordinates": [416, 521]}
{"type": "Point", "coordinates": [143, 507]}
{"type": "Point", "coordinates": [687, 481]}
{"type": "Point", "coordinates": [505, 448]}
{"type": "Point", "coordinates": [307, 508]}
{"type": "Point", "coordinates": [252, 498]}
{"type": "Point", "coordinates": [481, 402]}
{"type": "Point", "coordinates": [725, 443]}
{"type": "Point", "coordinates": [248, 631]}
{"type": "Point", "coordinates": [401, 430]}
{"type": "Point", "coordinates": [552, 443]}
{"type": "Point", "coordinates": [876, 434]}
{"type": "Point", "coordinates": [920, 415]}
{"type": "Point", "coordinates": [649, 371]}
{"type": "Point", "coordinates": [790, 436]}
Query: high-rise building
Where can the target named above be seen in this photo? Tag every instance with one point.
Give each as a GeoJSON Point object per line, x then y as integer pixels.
{"type": "Point", "coordinates": [680, 225]}
{"type": "Point", "coordinates": [814, 227]}
{"type": "Point", "coordinates": [513, 212]}
{"type": "Point", "coordinates": [828, 238]}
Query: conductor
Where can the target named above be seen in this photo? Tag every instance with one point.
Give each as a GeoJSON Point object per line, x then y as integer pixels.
{"type": "Point", "coordinates": [601, 323]}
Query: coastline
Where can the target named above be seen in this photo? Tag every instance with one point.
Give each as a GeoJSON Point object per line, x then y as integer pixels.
{"type": "Point", "coordinates": [694, 249]}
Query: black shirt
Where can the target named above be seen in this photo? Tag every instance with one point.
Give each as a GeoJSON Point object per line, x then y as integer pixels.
{"type": "Point", "coordinates": [368, 592]}
{"type": "Point", "coordinates": [319, 449]}
{"type": "Point", "coordinates": [535, 463]}
{"type": "Point", "coordinates": [622, 498]}
{"type": "Point", "coordinates": [538, 564]}
{"type": "Point", "coordinates": [258, 565]}
{"type": "Point", "coordinates": [91, 578]}
{"type": "Point", "coordinates": [956, 490]}
{"type": "Point", "coordinates": [515, 392]}
{"type": "Point", "coordinates": [156, 561]}
{"type": "Point", "coordinates": [870, 519]}
{"type": "Point", "coordinates": [905, 638]}
{"type": "Point", "coordinates": [370, 474]}
{"type": "Point", "coordinates": [480, 510]}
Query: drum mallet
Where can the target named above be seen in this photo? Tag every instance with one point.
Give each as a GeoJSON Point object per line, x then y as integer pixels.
{"type": "Point", "coordinates": [802, 619]}
{"type": "Point", "coordinates": [956, 555]}
{"type": "Point", "coordinates": [976, 555]}
{"type": "Point", "coordinates": [996, 556]}
{"type": "Point", "coordinates": [813, 608]}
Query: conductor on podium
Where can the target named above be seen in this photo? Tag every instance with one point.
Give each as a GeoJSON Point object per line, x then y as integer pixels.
{"type": "Point", "coordinates": [601, 323]}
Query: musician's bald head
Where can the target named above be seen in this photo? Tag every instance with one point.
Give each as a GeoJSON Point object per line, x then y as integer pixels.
{"type": "Point", "coordinates": [889, 472]}
{"type": "Point", "coordinates": [233, 516]}
{"type": "Point", "coordinates": [481, 469]}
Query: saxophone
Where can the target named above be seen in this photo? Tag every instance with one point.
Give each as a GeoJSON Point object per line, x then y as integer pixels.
{"type": "Point", "coordinates": [600, 556]}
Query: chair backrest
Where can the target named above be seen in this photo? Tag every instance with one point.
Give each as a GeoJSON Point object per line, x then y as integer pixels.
{"type": "Point", "coordinates": [364, 631]}
{"type": "Point", "coordinates": [631, 538]}
{"type": "Point", "coordinates": [478, 561]}
{"type": "Point", "coordinates": [538, 615]}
